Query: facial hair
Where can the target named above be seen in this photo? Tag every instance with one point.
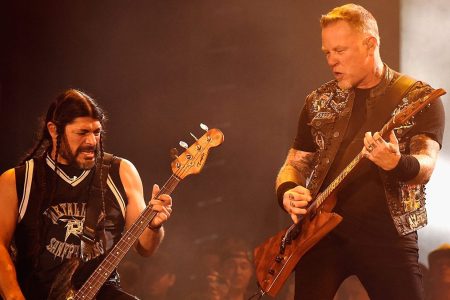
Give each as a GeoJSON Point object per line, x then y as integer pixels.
{"type": "Point", "coordinates": [344, 85]}
{"type": "Point", "coordinates": [66, 153]}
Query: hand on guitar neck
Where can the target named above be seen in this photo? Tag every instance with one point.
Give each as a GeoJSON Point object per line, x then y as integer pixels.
{"type": "Point", "coordinates": [385, 154]}
{"type": "Point", "coordinates": [161, 204]}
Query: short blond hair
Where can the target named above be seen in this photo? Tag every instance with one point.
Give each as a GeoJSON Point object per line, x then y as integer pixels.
{"type": "Point", "coordinates": [356, 16]}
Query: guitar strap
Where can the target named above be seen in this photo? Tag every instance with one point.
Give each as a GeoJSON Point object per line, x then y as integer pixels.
{"type": "Point", "coordinates": [95, 205]}
{"type": "Point", "coordinates": [378, 112]}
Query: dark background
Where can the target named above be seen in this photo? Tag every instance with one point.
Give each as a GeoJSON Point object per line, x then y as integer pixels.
{"type": "Point", "coordinates": [159, 68]}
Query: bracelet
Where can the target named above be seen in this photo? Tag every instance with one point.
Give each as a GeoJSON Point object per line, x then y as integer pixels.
{"type": "Point", "coordinates": [154, 229]}
{"type": "Point", "coordinates": [407, 168]}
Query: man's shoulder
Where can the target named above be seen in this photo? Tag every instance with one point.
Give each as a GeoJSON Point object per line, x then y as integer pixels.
{"type": "Point", "coordinates": [321, 96]}
{"type": "Point", "coordinates": [418, 90]}
{"type": "Point", "coordinates": [327, 87]}
{"type": "Point", "coordinates": [122, 165]}
{"type": "Point", "coordinates": [419, 87]}
{"type": "Point", "coordinates": [112, 159]}
{"type": "Point", "coordinates": [8, 175]}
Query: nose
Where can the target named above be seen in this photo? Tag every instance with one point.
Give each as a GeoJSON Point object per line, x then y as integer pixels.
{"type": "Point", "coordinates": [91, 139]}
{"type": "Point", "coordinates": [331, 59]}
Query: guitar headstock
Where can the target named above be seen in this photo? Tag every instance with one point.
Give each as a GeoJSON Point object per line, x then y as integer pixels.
{"type": "Point", "coordinates": [192, 160]}
{"type": "Point", "coordinates": [406, 113]}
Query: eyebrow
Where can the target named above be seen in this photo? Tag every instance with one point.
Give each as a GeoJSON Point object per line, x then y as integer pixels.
{"type": "Point", "coordinates": [88, 130]}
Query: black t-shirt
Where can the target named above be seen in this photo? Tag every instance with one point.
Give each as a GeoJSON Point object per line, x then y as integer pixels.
{"type": "Point", "coordinates": [361, 198]}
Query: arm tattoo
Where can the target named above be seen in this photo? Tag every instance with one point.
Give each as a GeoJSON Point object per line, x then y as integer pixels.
{"type": "Point", "coordinates": [423, 145]}
{"type": "Point", "coordinates": [301, 161]}
{"type": "Point", "coordinates": [426, 151]}
{"type": "Point", "coordinates": [297, 167]}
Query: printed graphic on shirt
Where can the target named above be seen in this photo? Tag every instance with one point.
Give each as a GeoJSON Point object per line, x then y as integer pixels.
{"type": "Point", "coordinates": [74, 226]}
{"type": "Point", "coordinates": [67, 227]}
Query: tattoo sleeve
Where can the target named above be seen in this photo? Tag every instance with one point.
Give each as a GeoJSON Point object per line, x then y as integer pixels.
{"type": "Point", "coordinates": [426, 150]}
{"type": "Point", "coordinates": [297, 167]}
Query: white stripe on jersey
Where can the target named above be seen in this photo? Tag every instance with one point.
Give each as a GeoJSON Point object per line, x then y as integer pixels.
{"type": "Point", "coordinates": [72, 181]}
{"type": "Point", "coordinates": [117, 194]}
{"type": "Point", "coordinates": [29, 167]}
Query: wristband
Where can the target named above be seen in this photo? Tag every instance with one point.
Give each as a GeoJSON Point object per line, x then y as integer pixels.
{"type": "Point", "coordinates": [407, 168]}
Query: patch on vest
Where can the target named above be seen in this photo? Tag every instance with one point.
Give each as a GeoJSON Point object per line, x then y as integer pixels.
{"type": "Point", "coordinates": [412, 197]}
{"type": "Point", "coordinates": [338, 107]}
{"type": "Point", "coordinates": [322, 101]}
{"type": "Point", "coordinates": [320, 141]}
{"type": "Point", "coordinates": [323, 115]}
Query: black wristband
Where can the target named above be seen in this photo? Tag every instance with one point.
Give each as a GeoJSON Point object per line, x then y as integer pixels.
{"type": "Point", "coordinates": [407, 168]}
{"type": "Point", "coordinates": [283, 188]}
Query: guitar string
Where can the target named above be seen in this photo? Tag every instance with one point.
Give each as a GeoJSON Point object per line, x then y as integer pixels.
{"type": "Point", "coordinates": [170, 185]}
{"type": "Point", "coordinates": [108, 263]}
{"type": "Point", "coordinates": [335, 183]}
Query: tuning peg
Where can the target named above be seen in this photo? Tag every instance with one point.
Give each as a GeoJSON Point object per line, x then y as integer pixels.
{"type": "Point", "coordinates": [174, 153]}
{"type": "Point", "coordinates": [183, 144]}
{"type": "Point", "coordinates": [204, 127]}
{"type": "Point", "coordinates": [195, 138]}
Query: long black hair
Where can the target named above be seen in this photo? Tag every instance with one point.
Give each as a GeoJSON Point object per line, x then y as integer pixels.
{"type": "Point", "coordinates": [68, 106]}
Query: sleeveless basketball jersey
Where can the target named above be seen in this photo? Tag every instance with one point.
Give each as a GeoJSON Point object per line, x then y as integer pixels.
{"type": "Point", "coordinates": [64, 196]}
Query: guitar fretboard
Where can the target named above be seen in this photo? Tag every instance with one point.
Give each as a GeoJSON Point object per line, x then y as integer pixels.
{"type": "Point", "coordinates": [115, 256]}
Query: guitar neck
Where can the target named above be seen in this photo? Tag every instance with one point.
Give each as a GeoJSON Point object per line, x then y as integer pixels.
{"type": "Point", "coordinates": [117, 253]}
{"type": "Point", "coordinates": [352, 165]}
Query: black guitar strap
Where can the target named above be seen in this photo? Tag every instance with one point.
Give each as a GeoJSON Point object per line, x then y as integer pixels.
{"type": "Point", "coordinates": [95, 205]}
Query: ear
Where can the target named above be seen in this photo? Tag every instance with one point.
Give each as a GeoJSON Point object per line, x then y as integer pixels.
{"type": "Point", "coordinates": [51, 127]}
{"type": "Point", "coordinates": [371, 43]}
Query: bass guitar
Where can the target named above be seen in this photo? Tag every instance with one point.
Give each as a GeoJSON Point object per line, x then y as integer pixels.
{"type": "Point", "coordinates": [191, 161]}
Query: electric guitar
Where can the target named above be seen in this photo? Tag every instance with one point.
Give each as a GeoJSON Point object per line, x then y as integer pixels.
{"type": "Point", "coordinates": [277, 257]}
{"type": "Point", "coordinates": [191, 161]}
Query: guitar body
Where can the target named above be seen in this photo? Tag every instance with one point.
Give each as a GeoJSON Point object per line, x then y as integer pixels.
{"type": "Point", "coordinates": [274, 265]}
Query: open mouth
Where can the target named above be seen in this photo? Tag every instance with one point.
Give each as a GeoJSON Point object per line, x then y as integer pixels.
{"type": "Point", "coordinates": [88, 154]}
{"type": "Point", "coordinates": [338, 75]}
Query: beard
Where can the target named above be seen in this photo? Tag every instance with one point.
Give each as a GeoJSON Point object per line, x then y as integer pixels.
{"type": "Point", "coordinates": [74, 158]}
{"type": "Point", "coordinates": [345, 84]}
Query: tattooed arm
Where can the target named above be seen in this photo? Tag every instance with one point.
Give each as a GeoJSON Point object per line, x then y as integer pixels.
{"type": "Point", "coordinates": [291, 181]}
{"type": "Point", "coordinates": [426, 151]}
